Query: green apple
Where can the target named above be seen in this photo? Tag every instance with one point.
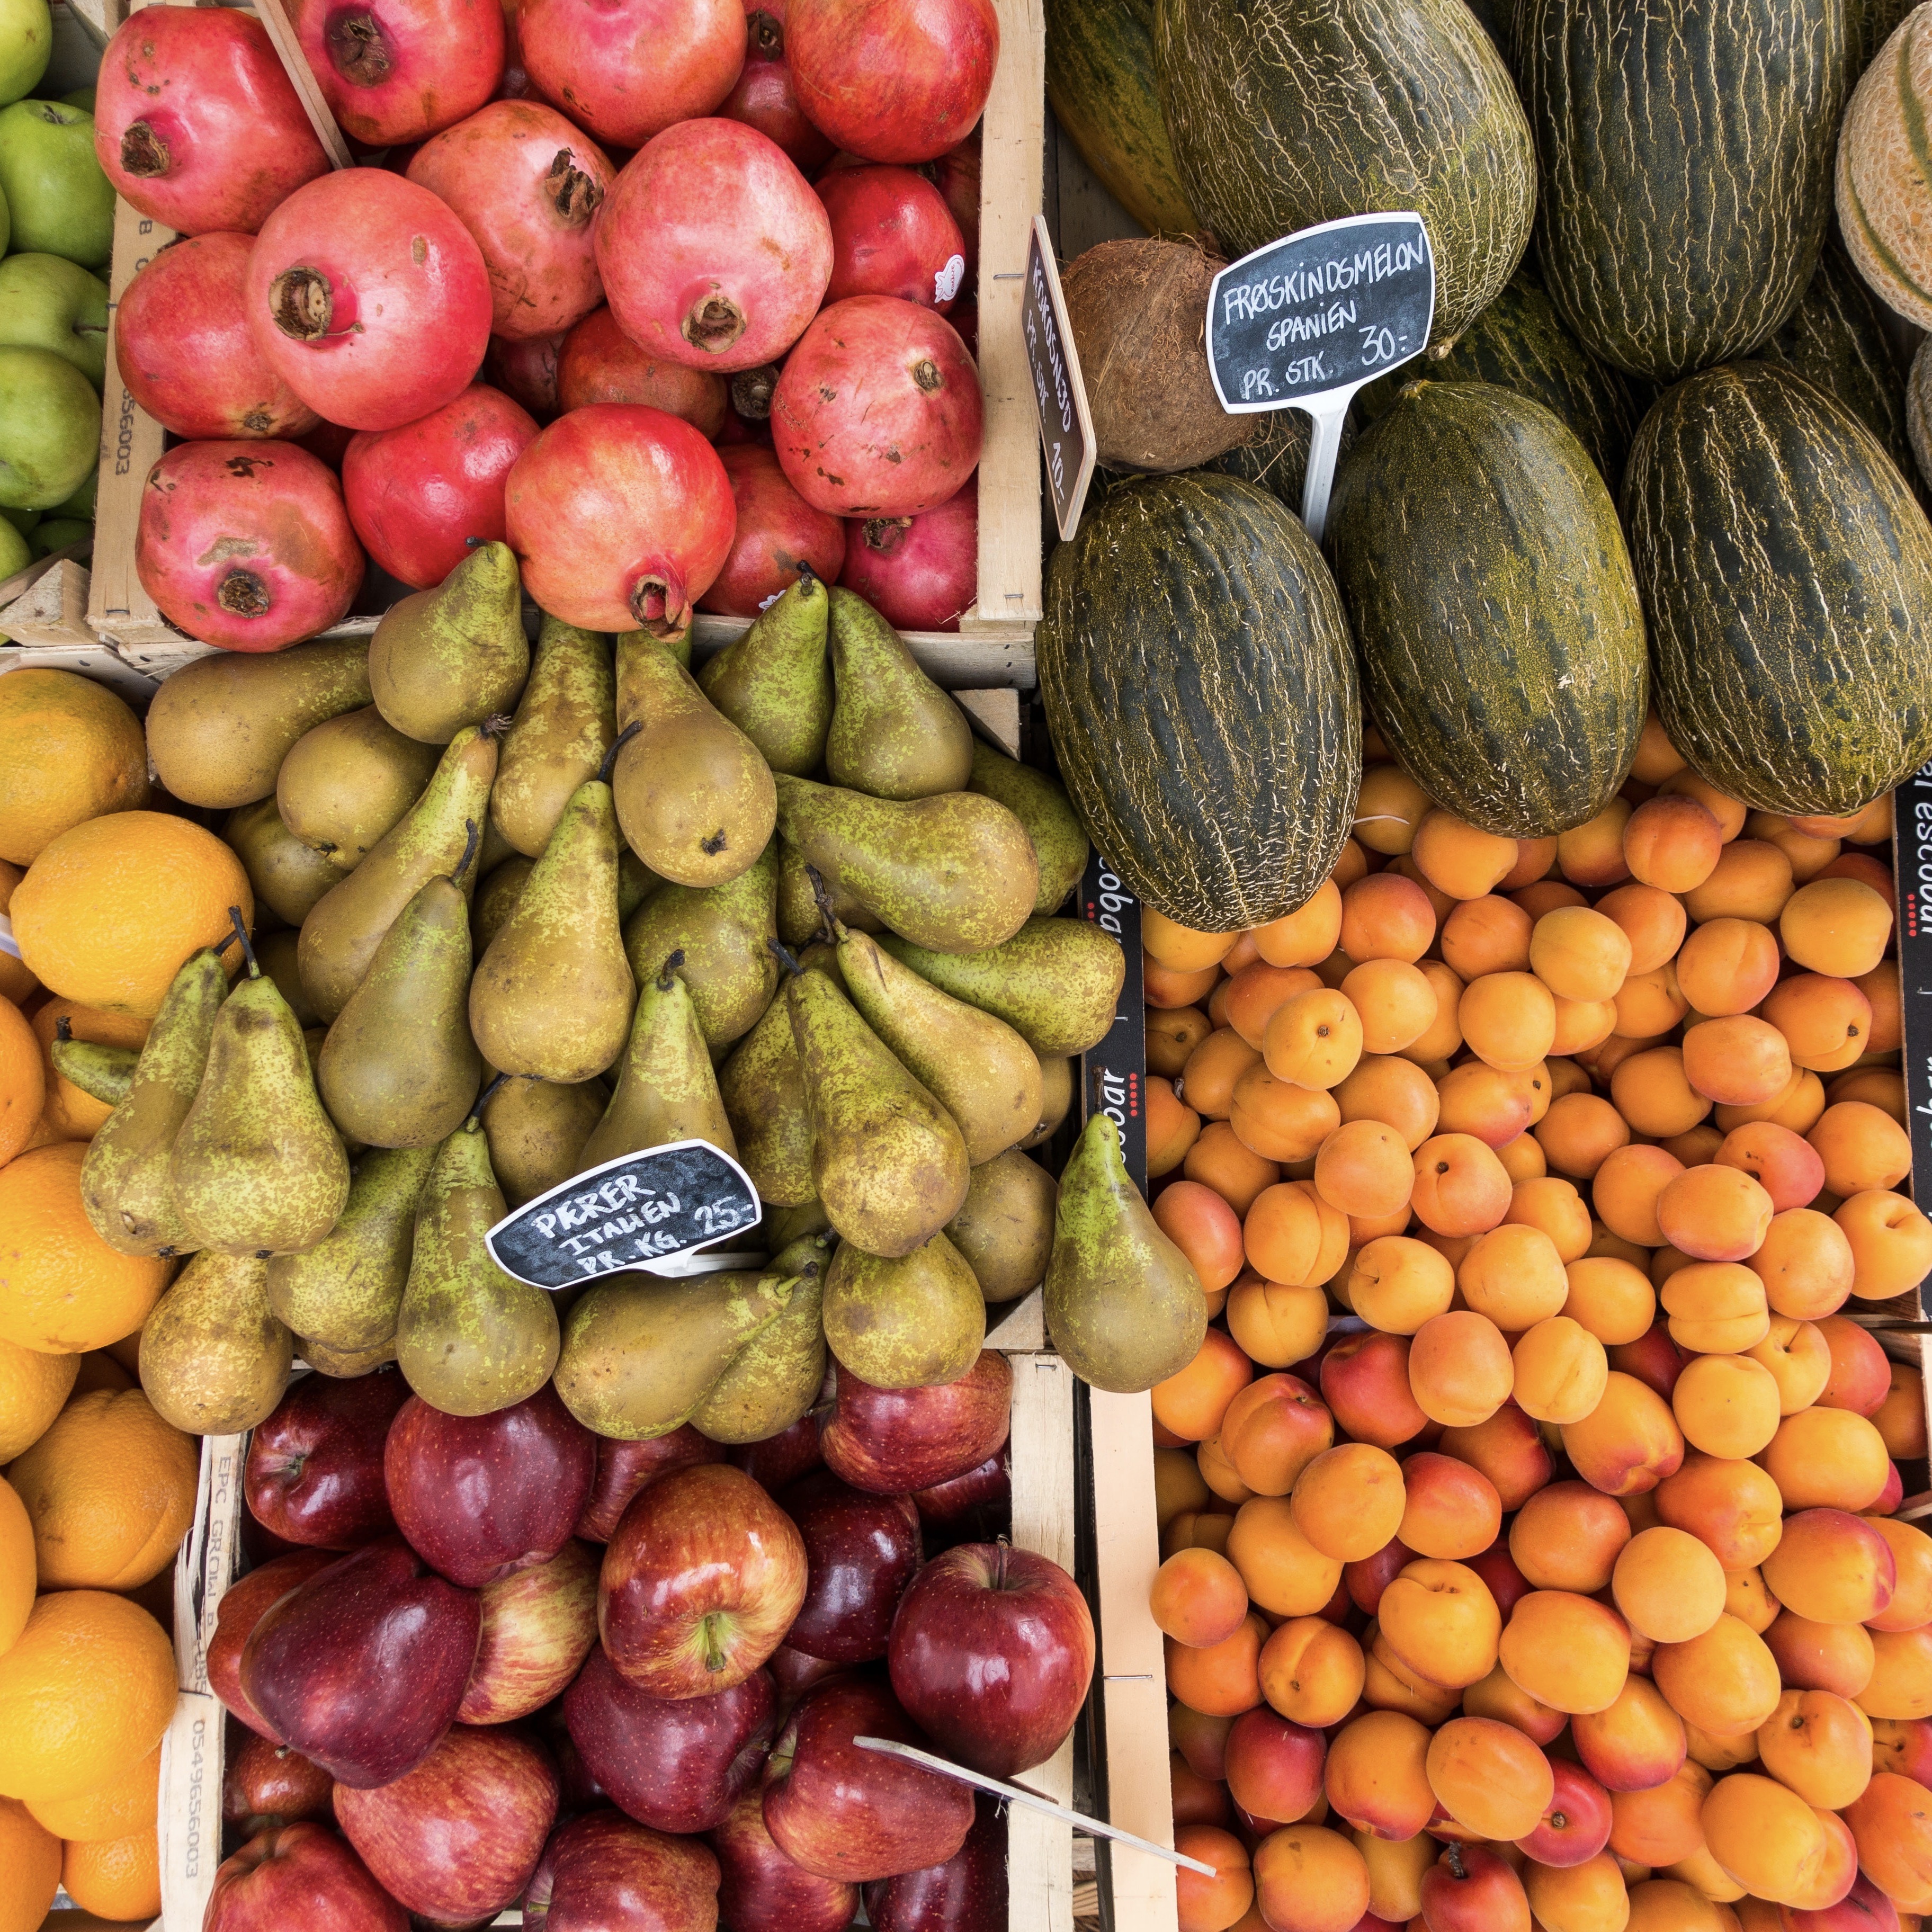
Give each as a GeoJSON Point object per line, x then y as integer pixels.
{"type": "Point", "coordinates": [49, 428]}
{"type": "Point", "coordinates": [24, 520]}
{"type": "Point", "coordinates": [15, 553]}
{"type": "Point", "coordinates": [81, 503]}
{"type": "Point", "coordinates": [55, 533]}
{"type": "Point", "coordinates": [61, 202]}
{"type": "Point", "coordinates": [26, 45]}
{"type": "Point", "coordinates": [6, 223]}
{"type": "Point", "coordinates": [82, 97]}
{"type": "Point", "coordinates": [49, 302]}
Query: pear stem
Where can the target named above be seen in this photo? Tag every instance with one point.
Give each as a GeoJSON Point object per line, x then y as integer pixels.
{"type": "Point", "coordinates": [483, 1100]}
{"type": "Point", "coordinates": [242, 934]}
{"type": "Point", "coordinates": [496, 725]}
{"type": "Point", "coordinates": [807, 577]}
{"type": "Point", "coordinates": [821, 898]}
{"type": "Point", "coordinates": [469, 844]}
{"type": "Point", "coordinates": [63, 1029]}
{"type": "Point", "coordinates": [623, 739]}
{"type": "Point", "coordinates": [668, 971]}
{"type": "Point", "coordinates": [785, 959]}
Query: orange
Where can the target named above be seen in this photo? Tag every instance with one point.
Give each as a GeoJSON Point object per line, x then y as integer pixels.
{"type": "Point", "coordinates": [110, 1488]}
{"type": "Point", "coordinates": [85, 1695]}
{"type": "Point", "coordinates": [122, 1805]}
{"type": "Point", "coordinates": [115, 1878]}
{"type": "Point", "coordinates": [17, 1577]}
{"type": "Point", "coordinates": [30, 1857]}
{"type": "Point", "coordinates": [72, 1115]}
{"type": "Point", "coordinates": [17, 983]}
{"type": "Point", "coordinates": [70, 751]}
{"type": "Point", "coordinates": [63, 1290]}
{"type": "Point", "coordinates": [109, 909]}
{"type": "Point", "coordinates": [32, 1387]}
{"type": "Point", "coordinates": [22, 1079]}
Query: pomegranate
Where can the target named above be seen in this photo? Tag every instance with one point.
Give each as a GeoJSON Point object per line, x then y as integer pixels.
{"type": "Point", "coordinates": [763, 98]}
{"type": "Point", "coordinates": [877, 411]}
{"type": "Point", "coordinates": [628, 69]}
{"type": "Point", "coordinates": [399, 70]}
{"type": "Point", "coordinates": [956, 175]}
{"type": "Point", "coordinates": [422, 496]}
{"type": "Point", "coordinates": [526, 183]}
{"type": "Point", "coordinates": [246, 544]}
{"type": "Point", "coordinates": [195, 122]}
{"type": "Point", "coordinates": [329, 442]}
{"type": "Point", "coordinates": [527, 371]}
{"type": "Point", "coordinates": [368, 297]}
{"type": "Point", "coordinates": [714, 250]}
{"type": "Point", "coordinates": [919, 573]}
{"type": "Point", "coordinates": [601, 364]}
{"type": "Point", "coordinates": [515, 84]}
{"type": "Point", "coordinates": [182, 342]}
{"type": "Point", "coordinates": [892, 235]}
{"type": "Point", "coordinates": [893, 80]}
{"type": "Point", "coordinates": [777, 530]}
{"type": "Point", "coordinates": [621, 516]}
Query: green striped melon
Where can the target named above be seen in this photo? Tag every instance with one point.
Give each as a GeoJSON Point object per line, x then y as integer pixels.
{"type": "Point", "coordinates": [1786, 572]}
{"type": "Point", "coordinates": [1493, 602]}
{"type": "Point", "coordinates": [1884, 172]}
{"type": "Point", "coordinates": [1200, 689]}
{"type": "Point", "coordinates": [1685, 154]}
{"type": "Point", "coordinates": [1286, 113]}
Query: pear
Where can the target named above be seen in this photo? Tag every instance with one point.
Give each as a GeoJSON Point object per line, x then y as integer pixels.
{"type": "Point", "coordinates": [339, 936]}
{"type": "Point", "coordinates": [104, 1072]}
{"type": "Point", "coordinates": [1056, 982]}
{"type": "Point", "coordinates": [797, 1224]}
{"type": "Point", "coordinates": [346, 1364]}
{"type": "Point", "coordinates": [636, 882]}
{"type": "Point", "coordinates": [125, 1191]}
{"type": "Point", "coordinates": [214, 1359]}
{"type": "Point", "coordinates": [887, 1159]}
{"type": "Point", "coordinates": [257, 1168]}
{"type": "Point", "coordinates": [275, 954]}
{"type": "Point", "coordinates": [287, 877]}
{"type": "Point", "coordinates": [895, 733]}
{"type": "Point", "coordinates": [496, 899]}
{"type": "Point", "coordinates": [1124, 1306]}
{"type": "Point", "coordinates": [641, 1354]}
{"type": "Point", "coordinates": [694, 797]}
{"type": "Point", "coordinates": [1005, 1231]}
{"type": "Point", "coordinates": [725, 933]}
{"type": "Point", "coordinates": [910, 1322]}
{"type": "Point", "coordinates": [762, 1086]}
{"type": "Point", "coordinates": [1056, 1081]}
{"type": "Point", "coordinates": [455, 656]}
{"type": "Point", "coordinates": [774, 683]}
{"type": "Point", "coordinates": [344, 1292]}
{"type": "Point", "coordinates": [1040, 803]}
{"type": "Point", "coordinates": [399, 1069]}
{"type": "Point", "coordinates": [219, 729]}
{"type": "Point", "coordinates": [807, 899]}
{"type": "Point", "coordinates": [537, 1131]}
{"type": "Point", "coordinates": [565, 722]}
{"type": "Point", "coordinates": [775, 1378]}
{"type": "Point", "coordinates": [344, 784]}
{"type": "Point", "coordinates": [979, 1070]}
{"type": "Point", "coordinates": [470, 1339]}
{"type": "Point", "coordinates": [956, 873]}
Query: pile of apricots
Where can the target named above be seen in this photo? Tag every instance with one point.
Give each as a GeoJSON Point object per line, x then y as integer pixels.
{"type": "Point", "coordinates": [1526, 1514]}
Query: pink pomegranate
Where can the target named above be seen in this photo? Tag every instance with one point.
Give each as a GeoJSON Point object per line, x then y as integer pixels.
{"type": "Point", "coordinates": [763, 98]}
{"type": "Point", "coordinates": [394, 71]}
{"type": "Point", "coordinates": [195, 121]}
{"type": "Point", "coordinates": [327, 442]}
{"type": "Point", "coordinates": [601, 364]}
{"type": "Point", "coordinates": [919, 573]}
{"type": "Point", "coordinates": [877, 411]}
{"type": "Point", "coordinates": [182, 342]}
{"type": "Point", "coordinates": [368, 297]}
{"type": "Point", "coordinates": [956, 175]}
{"type": "Point", "coordinates": [526, 184]}
{"type": "Point", "coordinates": [246, 544]}
{"type": "Point", "coordinates": [422, 496]}
{"type": "Point", "coordinates": [893, 80]}
{"type": "Point", "coordinates": [627, 70]}
{"type": "Point", "coordinates": [892, 235]}
{"type": "Point", "coordinates": [621, 517]}
{"type": "Point", "coordinates": [777, 530]}
{"type": "Point", "coordinates": [526, 371]}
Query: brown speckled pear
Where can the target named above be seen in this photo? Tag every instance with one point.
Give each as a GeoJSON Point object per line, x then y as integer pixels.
{"type": "Point", "coordinates": [1040, 803]}
{"type": "Point", "coordinates": [763, 1087]}
{"type": "Point", "coordinates": [214, 1359]}
{"type": "Point", "coordinates": [774, 683]}
{"type": "Point", "coordinates": [454, 655]}
{"type": "Point", "coordinates": [725, 933]}
{"type": "Point", "coordinates": [347, 782]}
{"type": "Point", "coordinates": [565, 722]}
{"type": "Point", "coordinates": [895, 733]}
{"type": "Point", "coordinates": [910, 1322]}
{"type": "Point", "coordinates": [775, 1378]}
{"type": "Point", "coordinates": [536, 1132]}
{"type": "Point", "coordinates": [1005, 1231]}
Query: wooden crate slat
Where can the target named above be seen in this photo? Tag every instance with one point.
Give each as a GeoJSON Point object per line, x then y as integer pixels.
{"type": "Point", "coordinates": [274, 16]}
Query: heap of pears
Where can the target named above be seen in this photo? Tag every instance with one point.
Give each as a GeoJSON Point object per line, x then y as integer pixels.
{"type": "Point", "coordinates": [538, 912]}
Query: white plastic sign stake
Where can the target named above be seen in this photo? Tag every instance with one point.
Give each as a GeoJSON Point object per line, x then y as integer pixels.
{"type": "Point", "coordinates": [1059, 394]}
{"type": "Point", "coordinates": [1305, 322]}
{"type": "Point", "coordinates": [9, 944]}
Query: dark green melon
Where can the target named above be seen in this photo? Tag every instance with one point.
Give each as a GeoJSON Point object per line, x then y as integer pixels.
{"type": "Point", "coordinates": [1684, 154]}
{"type": "Point", "coordinates": [1286, 113]}
{"type": "Point", "coordinates": [1275, 457]}
{"type": "Point", "coordinates": [1200, 689]}
{"type": "Point", "coordinates": [1868, 25]}
{"type": "Point", "coordinates": [1494, 605]}
{"type": "Point", "coordinates": [1494, 17]}
{"type": "Point", "coordinates": [1787, 571]}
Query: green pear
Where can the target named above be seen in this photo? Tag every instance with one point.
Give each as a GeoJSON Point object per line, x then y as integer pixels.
{"type": "Point", "coordinates": [346, 1363]}
{"type": "Point", "coordinates": [454, 655]}
{"type": "Point", "coordinates": [807, 899]}
{"type": "Point", "coordinates": [105, 1072]}
{"type": "Point", "coordinates": [566, 723]}
{"type": "Point", "coordinates": [287, 877]}
{"type": "Point", "coordinates": [1040, 803]}
{"type": "Point", "coordinates": [912, 1321]}
{"type": "Point", "coordinates": [762, 1086]}
{"type": "Point", "coordinates": [1056, 1081]}
{"type": "Point", "coordinates": [775, 1378]}
{"type": "Point", "coordinates": [214, 1359]}
{"type": "Point", "coordinates": [725, 933]}
{"type": "Point", "coordinates": [344, 784]}
{"type": "Point", "coordinates": [1005, 1231]}
{"type": "Point", "coordinates": [275, 952]}
{"type": "Point", "coordinates": [636, 882]}
{"type": "Point", "coordinates": [774, 683]}
{"type": "Point", "coordinates": [895, 733]}
{"type": "Point", "coordinates": [496, 899]}
{"type": "Point", "coordinates": [537, 1131]}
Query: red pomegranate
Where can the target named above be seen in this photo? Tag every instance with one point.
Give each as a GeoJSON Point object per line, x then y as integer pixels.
{"type": "Point", "coordinates": [369, 298]}
{"type": "Point", "coordinates": [877, 411]}
{"type": "Point", "coordinates": [892, 235]}
{"type": "Point", "coordinates": [184, 350]}
{"type": "Point", "coordinates": [919, 573]}
{"type": "Point", "coordinates": [714, 250]}
{"type": "Point", "coordinates": [526, 184]}
{"type": "Point", "coordinates": [621, 517]}
{"type": "Point", "coordinates": [763, 99]}
{"type": "Point", "coordinates": [527, 371]}
{"type": "Point", "coordinates": [956, 175]}
{"type": "Point", "coordinates": [420, 496]}
{"type": "Point", "coordinates": [893, 80]}
{"type": "Point", "coordinates": [329, 442]}
{"type": "Point", "coordinates": [195, 122]}
{"type": "Point", "coordinates": [394, 71]}
{"type": "Point", "coordinates": [777, 530]}
{"type": "Point", "coordinates": [601, 364]}
{"type": "Point", "coordinates": [246, 544]}
{"type": "Point", "coordinates": [628, 69]}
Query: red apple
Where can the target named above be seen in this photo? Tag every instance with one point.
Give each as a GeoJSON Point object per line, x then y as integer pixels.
{"type": "Point", "coordinates": [861, 1551]}
{"type": "Point", "coordinates": [858, 1815]}
{"type": "Point", "coordinates": [606, 1873]}
{"type": "Point", "coordinates": [794, 1673]}
{"type": "Point", "coordinates": [1575, 1824]}
{"type": "Point", "coordinates": [892, 1441]}
{"type": "Point", "coordinates": [457, 1839]}
{"type": "Point", "coordinates": [483, 1496]}
{"type": "Point", "coordinates": [1274, 1767]}
{"type": "Point", "coordinates": [623, 1469]}
{"type": "Point", "coordinates": [242, 1608]}
{"type": "Point", "coordinates": [314, 1469]}
{"type": "Point", "coordinates": [761, 1890]}
{"type": "Point", "coordinates": [293, 1875]}
{"type": "Point", "coordinates": [700, 1583]}
{"type": "Point", "coordinates": [267, 1784]}
{"type": "Point", "coordinates": [967, 1891]}
{"type": "Point", "coordinates": [677, 1764]}
{"type": "Point", "coordinates": [1471, 1888]}
{"type": "Point", "coordinates": [992, 1650]}
{"type": "Point", "coordinates": [538, 1625]}
{"type": "Point", "coordinates": [975, 1507]}
{"type": "Point", "coordinates": [362, 1667]}
{"type": "Point", "coordinates": [781, 1460]}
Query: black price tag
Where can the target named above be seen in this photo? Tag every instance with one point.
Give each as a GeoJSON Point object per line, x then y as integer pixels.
{"type": "Point", "coordinates": [641, 1211]}
{"type": "Point", "coordinates": [1113, 1074]}
{"type": "Point", "coordinates": [1059, 394]}
{"type": "Point", "coordinates": [1912, 861]}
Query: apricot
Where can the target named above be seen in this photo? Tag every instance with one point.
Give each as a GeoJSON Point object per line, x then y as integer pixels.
{"type": "Point", "coordinates": [1459, 859]}
{"type": "Point", "coordinates": [1727, 966]}
{"type": "Point", "coordinates": [1485, 1102]}
{"type": "Point", "coordinates": [1567, 1537]}
{"type": "Point", "coordinates": [1364, 1168]}
{"type": "Point", "coordinates": [1194, 1799]}
{"type": "Point", "coordinates": [1900, 1684]}
{"type": "Point", "coordinates": [1389, 1683]}
{"type": "Point", "coordinates": [1891, 1822]}
{"type": "Point", "coordinates": [1439, 902]}
{"type": "Point", "coordinates": [1580, 1133]}
{"type": "Point", "coordinates": [1653, 920]}
{"type": "Point", "coordinates": [1440, 1618]}
{"type": "Point", "coordinates": [1305, 936]}
{"type": "Point", "coordinates": [1508, 1448]}
{"type": "Point", "coordinates": [1397, 1284]}
{"type": "Point", "coordinates": [1751, 880]}
{"type": "Point", "coordinates": [1386, 917]}
{"type": "Point", "coordinates": [1838, 1657]}
{"type": "Point", "coordinates": [1579, 954]}
{"type": "Point", "coordinates": [1766, 1836]}
{"type": "Point", "coordinates": [1567, 1650]}
{"type": "Point", "coordinates": [1285, 1573]}
{"type": "Point", "coordinates": [1884, 994]}
{"type": "Point", "coordinates": [1716, 1307]}
{"type": "Point", "coordinates": [1495, 1697]}
{"type": "Point", "coordinates": [1655, 1357]}
{"type": "Point", "coordinates": [1903, 1745]}
{"type": "Point", "coordinates": [1862, 1147]}
{"type": "Point", "coordinates": [1349, 1501]}
{"type": "Point", "coordinates": [1715, 1212]}
{"type": "Point", "coordinates": [1831, 1567]}
{"type": "Point", "coordinates": [1458, 1368]}
{"type": "Point", "coordinates": [1313, 1039]}
{"type": "Point", "coordinates": [1553, 1206]}
{"type": "Point", "coordinates": [1386, 1087]}
{"type": "Point", "coordinates": [1826, 1023]}
{"type": "Point", "coordinates": [1217, 1159]}
{"type": "Point", "coordinates": [1635, 1743]}
{"type": "Point", "coordinates": [1171, 1036]}
{"type": "Point", "coordinates": [1807, 1263]}
{"type": "Point", "coordinates": [1376, 1776]}
{"type": "Point", "coordinates": [1560, 1371]}
{"type": "Point", "coordinates": [1723, 1681]}
{"type": "Point", "coordinates": [1211, 1904]}
{"type": "Point", "coordinates": [1784, 1164]}
{"type": "Point", "coordinates": [1651, 1092]}
{"type": "Point", "coordinates": [1911, 1604]}
{"type": "Point", "coordinates": [1630, 1442]}
{"type": "Point", "coordinates": [1591, 854]}
{"type": "Point", "coordinates": [1204, 1228]}
{"type": "Point", "coordinates": [1673, 842]}
{"type": "Point", "coordinates": [1275, 1324]}
{"type": "Point", "coordinates": [1179, 948]}
{"type": "Point", "coordinates": [1662, 1825]}
{"type": "Point", "coordinates": [1522, 1159]}
{"type": "Point", "coordinates": [1207, 1081]}
{"type": "Point", "coordinates": [1726, 1405]}
{"type": "Point", "coordinates": [1278, 1120]}
{"type": "Point", "coordinates": [1220, 1474]}
{"type": "Point", "coordinates": [1219, 1680]}
{"type": "Point", "coordinates": [1191, 1404]}
{"type": "Point", "coordinates": [1891, 1243]}
{"type": "Point", "coordinates": [1196, 1529]}
{"type": "Point", "coordinates": [1899, 1418]}
{"type": "Point", "coordinates": [1309, 1879]}
{"type": "Point", "coordinates": [1388, 808]}
{"type": "Point", "coordinates": [1674, 1904]}
{"type": "Point", "coordinates": [1721, 1754]}
{"type": "Point", "coordinates": [1272, 1430]}
{"type": "Point", "coordinates": [1739, 1061]}
{"type": "Point", "coordinates": [1291, 1234]}
{"type": "Point", "coordinates": [1395, 1876]}
{"type": "Point", "coordinates": [1582, 1025]}
{"type": "Point", "coordinates": [1836, 925]}
{"type": "Point", "coordinates": [1588, 1898]}
{"type": "Point", "coordinates": [1201, 1741]}
{"type": "Point", "coordinates": [1451, 1510]}
{"type": "Point", "coordinates": [1274, 1767]}
{"type": "Point", "coordinates": [1163, 986]}
{"type": "Point", "coordinates": [1311, 1671]}
{"type": "Point", "coordinates": [1649, 1004]}
{"type": "Point", "coordinates": [1176, 1485]}
{"type": "Point", "coordinates": [1441, 1040]}
{"type": "Point", "coordinates": [1172, 1129]}
{"type": "Point", "coordinates": [1491, 1780]}
{"type": "Point", "coordinates": [1612, 1298]}
{"type": "Point", "coordinates": [1799, 1362]}
{"type": "Point", "coordinates": [1668, 1584]}
{"type": "Point", "coordinates": [1513, 1275]}
{"type": "Point", "coordinates": [1820, 1745]}
{"type": "Point", "coordinates": [1809, 850]}
{"type": "Point", "coordinates": [1827, 1458]}
{"type": "Point", "coordinates": [1733, 1508]}
{"type": "Point", "coordinates": [1198, 1598]}
{"type": "Point", "coordinates": [1365, 1381]}
{"type": "Point", "coordinates": [1488, 934]}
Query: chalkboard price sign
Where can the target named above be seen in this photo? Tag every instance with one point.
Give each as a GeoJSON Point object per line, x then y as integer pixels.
{"type": "Point", "coordinates": [1113, 1071]}
{"type": "Point", "coordinates": [1059, 394]}
{"type": "Point", "coordinates": [641, 1211]}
